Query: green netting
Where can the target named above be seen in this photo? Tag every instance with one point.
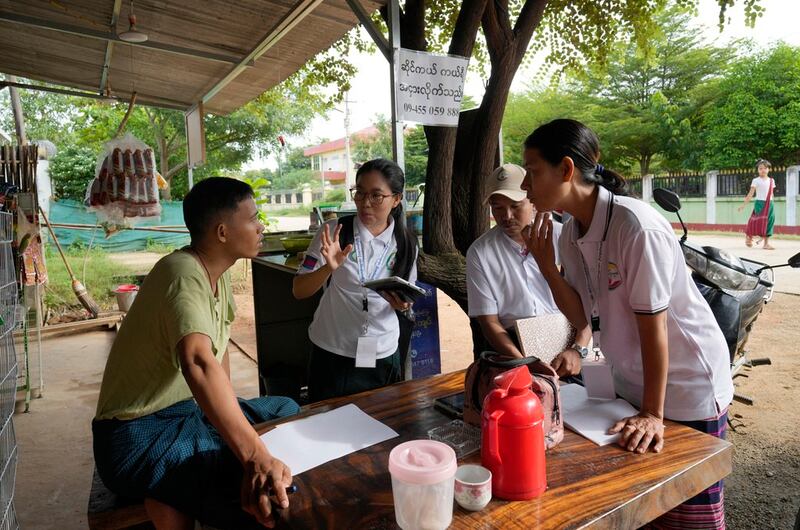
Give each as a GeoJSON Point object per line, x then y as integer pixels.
{"type": "Point", "coordinates": [73, 212]}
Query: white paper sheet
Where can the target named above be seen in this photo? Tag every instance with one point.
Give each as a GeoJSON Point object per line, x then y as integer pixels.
{"type": "Point", "coordinates": [309, 442]}
{"type": "Point", "coordinates": [591, 418]}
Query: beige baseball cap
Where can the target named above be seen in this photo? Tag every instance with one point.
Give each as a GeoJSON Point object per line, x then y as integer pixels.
{"type": "Point", "coordinates": [507, 180]}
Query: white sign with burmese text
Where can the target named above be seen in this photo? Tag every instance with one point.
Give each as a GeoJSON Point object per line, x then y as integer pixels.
{"type": "Point", "coordinates": [430, 87]}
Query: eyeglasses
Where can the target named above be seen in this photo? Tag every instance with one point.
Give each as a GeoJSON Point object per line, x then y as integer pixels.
{"type": "Point", "coordinates": [375, 198]}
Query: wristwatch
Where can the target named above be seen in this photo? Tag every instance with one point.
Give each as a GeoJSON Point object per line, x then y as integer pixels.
{"type": "Point", "coordinates": [583, 351]}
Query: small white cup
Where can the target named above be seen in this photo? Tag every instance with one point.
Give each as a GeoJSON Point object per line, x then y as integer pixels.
{"type": "Point", "coordinates": [473, 487]}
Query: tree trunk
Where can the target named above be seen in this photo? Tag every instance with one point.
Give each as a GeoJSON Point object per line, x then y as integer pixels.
{"type": "Point", "coordinates": [438, 232]}
{"type": "Point", "coordinates": [447, 272]}
{"type": "Point", "coordinates": [459, 161]}
{"type": "Point", "coordinates": [437, 237]}
{"type": "Point", "coordinates": [644, 165]}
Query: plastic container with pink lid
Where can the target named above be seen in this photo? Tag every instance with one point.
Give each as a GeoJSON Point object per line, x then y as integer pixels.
{"type": "Point", "coordinates": [423, 477]}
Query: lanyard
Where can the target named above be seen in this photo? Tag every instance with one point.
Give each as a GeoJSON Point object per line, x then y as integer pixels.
{"type": "Point", "coordinates": [361, 258]}
{"type": "Point", "coordinates": [595, 296]}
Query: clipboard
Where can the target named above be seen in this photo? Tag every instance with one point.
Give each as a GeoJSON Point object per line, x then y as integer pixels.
{"type": "Point", "coordinates": [545, 336]}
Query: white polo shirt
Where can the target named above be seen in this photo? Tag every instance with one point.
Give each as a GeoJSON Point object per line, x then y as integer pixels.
{"type": "Point", "coordinates": [339, 317]}
{"type": "Point", "coordinates": [503, 279]}
{"type": "Point", "coordinates": [762, 187]}
{"type": "Point", "coordinates": [642, 270]}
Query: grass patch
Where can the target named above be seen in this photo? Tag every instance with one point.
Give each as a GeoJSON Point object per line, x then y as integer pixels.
{"type": "Point", "coordinates": [152, 245]}
{"type": "Point", "coordinates": [102, 275]}
{"type": "Point", "coordinates": [290, 212]}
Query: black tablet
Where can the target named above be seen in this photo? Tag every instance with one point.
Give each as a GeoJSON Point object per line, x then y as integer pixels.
{"type": "Point", "coordinates": [452, 405]}
{"type": "Point", "coordinates": [407, 290]}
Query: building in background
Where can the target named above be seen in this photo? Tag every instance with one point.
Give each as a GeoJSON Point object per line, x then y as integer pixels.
{"type": "Point", "coordinates": [329, 159]}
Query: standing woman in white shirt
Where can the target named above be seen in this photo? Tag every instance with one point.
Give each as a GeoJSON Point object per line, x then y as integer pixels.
{"type": "Point", "coordinates": [625, 274]}
{"type": "Point", "coordinates": [355, 332]}
{"type": "Point", "coordinates": [763, 187]}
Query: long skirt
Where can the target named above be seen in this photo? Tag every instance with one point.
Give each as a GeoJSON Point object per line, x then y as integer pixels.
{"type": "Point", "coordinates": [705, 510]}
{"type": "Point", "coordinates": [177, 457]}
{"type": "Point", "coordinates": [760, 225]}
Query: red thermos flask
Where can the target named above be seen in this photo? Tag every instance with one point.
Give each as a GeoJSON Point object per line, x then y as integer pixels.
{"type": "Point", "coordinates": [512, 445]}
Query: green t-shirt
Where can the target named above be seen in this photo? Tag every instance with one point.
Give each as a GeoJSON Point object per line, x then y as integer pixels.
{"type": "Point", "coordinates": [143, 373]}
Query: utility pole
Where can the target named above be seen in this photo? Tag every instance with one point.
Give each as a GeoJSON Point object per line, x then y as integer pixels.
{"type": "Point", "coordinates": [349, 176]}
{"type": "Point", "coordinates": [349, 181]}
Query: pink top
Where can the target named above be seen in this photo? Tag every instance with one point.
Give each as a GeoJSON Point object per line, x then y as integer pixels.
{"type": "Point", "coordinates": [422, 462]}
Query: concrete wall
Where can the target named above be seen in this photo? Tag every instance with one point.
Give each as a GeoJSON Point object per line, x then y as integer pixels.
{"type": "Point", "coordinates": [723, 212]}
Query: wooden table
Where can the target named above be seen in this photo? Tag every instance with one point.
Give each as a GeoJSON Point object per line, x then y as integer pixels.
{"type": "Point", "coordinates": [601, 487]}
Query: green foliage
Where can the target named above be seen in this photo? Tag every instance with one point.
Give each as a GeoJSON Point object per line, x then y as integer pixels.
{"type": "Point", "coordinates": [48, 116]}
{"type": "Point", "coordinates": [363, 149]}
{"type": "Point", "coordinates": [153, 245]}
{"type": "Point", "coordinates": [380, 146]}
{"type": "Point", "coordinates": [295, 159]}
{"type": "Point", "coordinates": [338, 195]}
{"type": "Point", "coordinates": [646, 104]}
{"type": "Point", "coordinates": [416, 151]}
{"type": "Point", "coordinates": [757, 112]}
{"type": "Point", "coordinates": [526, 111]}
{"type": "Point", "coordinates": [294, 179]}
{"type": "Point", "coordinates": [259, 185]}
{"type": "Point", "coordinates": [71, 170]}
{"type": "Point", "coordinates": [101, 277]}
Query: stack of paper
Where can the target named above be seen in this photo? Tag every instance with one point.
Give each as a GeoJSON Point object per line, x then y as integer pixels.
{"type": "Point", "coordinates": [592, 418]}
{"type": "Point", "coordinates": [309, 442]}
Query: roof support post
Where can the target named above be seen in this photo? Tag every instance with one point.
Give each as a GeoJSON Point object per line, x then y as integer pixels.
{"type": "Point", "coordinates": [376, 34]}
{"type": "Point", "coordinates": [394, 66]}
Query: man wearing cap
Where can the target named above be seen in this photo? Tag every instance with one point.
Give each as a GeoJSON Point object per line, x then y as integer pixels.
{"type": "Point", "coordinates": [504, 283]}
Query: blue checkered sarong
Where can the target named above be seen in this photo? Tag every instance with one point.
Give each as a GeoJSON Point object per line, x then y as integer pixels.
{"type": "Point", "coordinates": [177, 457]}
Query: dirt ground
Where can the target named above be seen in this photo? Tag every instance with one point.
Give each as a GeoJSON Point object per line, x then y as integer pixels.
{"type": "Point", "coordinates": [764, 489]}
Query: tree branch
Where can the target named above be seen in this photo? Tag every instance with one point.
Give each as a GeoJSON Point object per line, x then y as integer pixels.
{"type": "Point", "coordinates": [497, 28]}
{"type": "Point", "coordinates": [174, 170]}
{"type": "Point", "coordinates": [412, 26]}
{"type": "Point", "coordinates": [529, 19]}
{"type": "Point", "coordinates": [172, 139]}
{"type": "Point", "coordinates": [466, 27]}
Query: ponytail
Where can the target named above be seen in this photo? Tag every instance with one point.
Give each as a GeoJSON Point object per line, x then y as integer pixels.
{"type": "Point", "coordinates": [570, 138]}
{"type": "Point", "coordinates": [610, 180]}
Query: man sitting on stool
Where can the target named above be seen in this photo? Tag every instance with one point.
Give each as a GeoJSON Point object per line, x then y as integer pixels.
{"type": "Point", "coordinates": [504, 283]}
{"type": "Point", "coordinates": [169, 428]}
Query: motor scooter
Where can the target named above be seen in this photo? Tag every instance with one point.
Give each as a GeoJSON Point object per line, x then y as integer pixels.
{"type": "Point", "coordinates": [736, 289]}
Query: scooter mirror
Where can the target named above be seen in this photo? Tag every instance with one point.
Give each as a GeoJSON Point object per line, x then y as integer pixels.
{"type": "Point", "coordinates": [794, 261]}
{"type": "Point", "coordinates": [668, 200]}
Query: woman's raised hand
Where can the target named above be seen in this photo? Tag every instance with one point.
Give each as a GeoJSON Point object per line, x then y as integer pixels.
{"type": "Point", "coordinates": [331, 249]}
{"type": "Point", "coordinates": [539, 240]}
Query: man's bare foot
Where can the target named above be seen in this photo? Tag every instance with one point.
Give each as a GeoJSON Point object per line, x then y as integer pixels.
{"type": "Point", "coordinates": [769, 247]}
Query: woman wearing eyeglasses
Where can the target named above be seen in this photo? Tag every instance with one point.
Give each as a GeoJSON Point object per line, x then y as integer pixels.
{"type": "Point", "coordinates": [355, 332]}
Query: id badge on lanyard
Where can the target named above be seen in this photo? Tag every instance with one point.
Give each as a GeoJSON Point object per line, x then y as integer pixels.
{"type": "Point", "coordinates": [367, 347]}
{"type": "Point", "coordinates": [601, 277]}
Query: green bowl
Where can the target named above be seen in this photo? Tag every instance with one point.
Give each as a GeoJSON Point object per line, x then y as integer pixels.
{"type": "Point", "coordinates": [294, 245]}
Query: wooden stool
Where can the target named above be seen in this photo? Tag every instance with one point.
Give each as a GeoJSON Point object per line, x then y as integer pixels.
{"type": "Point", "coordinates": [108, 511]}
